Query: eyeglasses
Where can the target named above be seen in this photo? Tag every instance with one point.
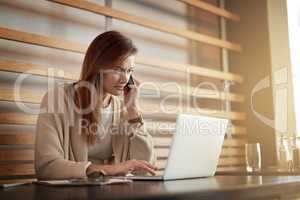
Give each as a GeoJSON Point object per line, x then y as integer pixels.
{"type": "Point", "coordinates": [119, 70]}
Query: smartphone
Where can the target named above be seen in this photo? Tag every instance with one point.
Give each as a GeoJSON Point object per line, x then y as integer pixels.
{"type": "Point", "coordinates": [130, 82]}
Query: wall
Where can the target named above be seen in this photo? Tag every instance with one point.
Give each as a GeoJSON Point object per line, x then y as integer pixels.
{"type": "Point", "coordinates": [266, 58]}
{"type": "Point", "coordinates": [281, 70]}
{"type": "Point", "coordinates": [69, 29]}
{"type": "Point", "coordinates": [254, 63]}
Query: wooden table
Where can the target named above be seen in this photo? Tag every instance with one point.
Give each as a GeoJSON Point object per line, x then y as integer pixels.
{"type": "Point", "coordinates": [218, 187]}
{"type": "Point", "coordinates": [270, 171]}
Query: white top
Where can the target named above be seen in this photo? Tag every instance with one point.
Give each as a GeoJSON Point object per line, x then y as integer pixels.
{"type": "Point", "coordinates": [102, 149]}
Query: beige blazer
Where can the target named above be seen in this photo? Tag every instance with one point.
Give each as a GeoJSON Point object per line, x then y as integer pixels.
{"type": "Point", "coordinates": [61, 149]}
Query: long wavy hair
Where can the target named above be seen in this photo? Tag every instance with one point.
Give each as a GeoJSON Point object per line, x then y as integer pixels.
{"type": "Point", "coordinates": [105, 50]}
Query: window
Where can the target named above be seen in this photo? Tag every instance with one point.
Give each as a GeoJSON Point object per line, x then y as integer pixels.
{"type": "Point", "coordinates": [293, 8]}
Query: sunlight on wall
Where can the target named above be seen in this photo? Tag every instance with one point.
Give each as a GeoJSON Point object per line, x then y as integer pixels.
{"type": "Point", "coordinates": [294, 40]}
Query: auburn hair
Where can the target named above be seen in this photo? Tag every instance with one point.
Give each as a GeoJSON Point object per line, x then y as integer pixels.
{"type": "Point", "coordinates": [104, 51]}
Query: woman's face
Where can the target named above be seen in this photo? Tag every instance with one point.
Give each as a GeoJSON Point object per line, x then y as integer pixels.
{"type": "Point", "coordinates": [117, 76]}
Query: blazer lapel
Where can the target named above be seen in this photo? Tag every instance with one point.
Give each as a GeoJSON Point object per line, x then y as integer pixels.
{"type": "Point", "coordinates": [119, 142]}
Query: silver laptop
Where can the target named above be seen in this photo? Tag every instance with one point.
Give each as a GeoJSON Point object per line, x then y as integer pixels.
{"type": "Point", "coordinates": [195, 148]}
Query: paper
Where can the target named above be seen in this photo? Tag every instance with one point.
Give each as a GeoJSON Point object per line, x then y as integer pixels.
{"type": "Point", "coordinates": [8, 185]}
{"type": "Point", "coordinates": [83, 182]}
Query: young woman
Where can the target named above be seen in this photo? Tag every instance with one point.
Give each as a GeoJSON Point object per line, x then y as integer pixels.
{"type": "Point", "coordinates": [84, 127]}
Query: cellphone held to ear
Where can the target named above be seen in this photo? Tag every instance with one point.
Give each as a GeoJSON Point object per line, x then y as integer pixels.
{"type": "Point", "coordinates": [130, 82]}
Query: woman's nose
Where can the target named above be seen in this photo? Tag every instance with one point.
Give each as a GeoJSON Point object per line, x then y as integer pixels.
{"type": "Point", "coordinates": [124, 78]}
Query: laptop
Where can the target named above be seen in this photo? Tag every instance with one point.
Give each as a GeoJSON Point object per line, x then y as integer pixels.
{"type": "Point", "coordinates": [195, 148]}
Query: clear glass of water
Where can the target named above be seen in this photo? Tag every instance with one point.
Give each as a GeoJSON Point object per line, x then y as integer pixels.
{"type": "Point", "coordinates": [253, 157]}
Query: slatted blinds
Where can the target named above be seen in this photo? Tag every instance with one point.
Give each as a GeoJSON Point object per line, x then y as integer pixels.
{"type": "Point", "coordinates": [174, 37]}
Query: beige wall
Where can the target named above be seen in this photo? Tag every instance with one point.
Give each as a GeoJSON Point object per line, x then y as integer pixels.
{"type": "Point", "coordinates": [281, 67]}
{"type": "Point", "coordinates": [254, 64]}
{"type": "Point", "coordinates": [265, 62]}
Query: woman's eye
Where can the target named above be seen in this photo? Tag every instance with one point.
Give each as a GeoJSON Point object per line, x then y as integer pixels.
{"type": "Point", "coordinates": [118, 70]}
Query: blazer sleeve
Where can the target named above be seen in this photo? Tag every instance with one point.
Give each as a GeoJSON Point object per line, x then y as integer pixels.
{"type": "Point", "coordinates": [141, 144]}
{"type": "Point", "coordinates": [50, 162]}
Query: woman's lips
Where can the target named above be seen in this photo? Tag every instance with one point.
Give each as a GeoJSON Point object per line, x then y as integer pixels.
{"type": "Point", "coordinates": [119, 87]}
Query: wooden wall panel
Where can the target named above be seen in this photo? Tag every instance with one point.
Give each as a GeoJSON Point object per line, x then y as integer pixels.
{"type": "Point", "coordinates": [49, 45]}
{"type": "Point", "coordinates": [212, 9]}
{"type": "Point", "coordinates": [99, 9]}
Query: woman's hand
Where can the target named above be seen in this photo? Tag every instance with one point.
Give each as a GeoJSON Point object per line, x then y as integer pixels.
{"type": "Point", "coordinates": [123, 168]}
{"type": "Point", "coordinates": [130, 166]}
{"type": "Point", "coordinates": [130, 96]}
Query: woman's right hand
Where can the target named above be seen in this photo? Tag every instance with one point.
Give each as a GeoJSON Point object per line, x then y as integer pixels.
{"type": "Point", "coordinates": [124, 167]}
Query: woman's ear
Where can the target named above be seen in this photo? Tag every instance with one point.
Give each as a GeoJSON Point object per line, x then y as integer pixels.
{"type": "Point", "coordinates": [97, 80]}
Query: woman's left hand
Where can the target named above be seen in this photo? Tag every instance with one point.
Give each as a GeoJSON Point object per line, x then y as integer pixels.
{"type": "Point", "coordinates": [131, 96]}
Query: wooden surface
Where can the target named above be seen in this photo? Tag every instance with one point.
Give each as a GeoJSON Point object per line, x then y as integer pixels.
{"type": "Point", "coordinates": [27, 154]}
{"type": "Point", "coordinates": [99, 9]}
{"type": "Point", "coordinates": [16, 146]}
{"type": "Point", "coordinates": [212, 9]}
{"type": "Point", "coordinates": [40, 40]}
{"type": "Point", "coordinates": [34, 69]}
{"type": "Point", "coordinates": [268, 171]}
{"type": "Point", "coordinates": [20, 118]}
{"type": "Point", "coordinates": [36, 96]}
{"type": "Point", "coordinates": [160, 141]}
{"type": "Point", "coordinates": [191, 69]}
{"type": "Point", "coordinates": [16, 169]}
{"type": "Point", "coordinates": [217, 187]}
{"type": "Point", "coordinates": [18, 154]}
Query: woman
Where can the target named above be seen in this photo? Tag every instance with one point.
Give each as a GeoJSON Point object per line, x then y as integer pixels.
{"type": "Point", "coordinates": [84, 128]}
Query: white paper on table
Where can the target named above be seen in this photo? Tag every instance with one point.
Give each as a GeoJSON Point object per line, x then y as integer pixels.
{"type": "Point", "coordinates": [83, 182]}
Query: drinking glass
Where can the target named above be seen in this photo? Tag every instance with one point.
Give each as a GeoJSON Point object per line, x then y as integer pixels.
{"type": "Point", "coordinates": [253, 157]}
